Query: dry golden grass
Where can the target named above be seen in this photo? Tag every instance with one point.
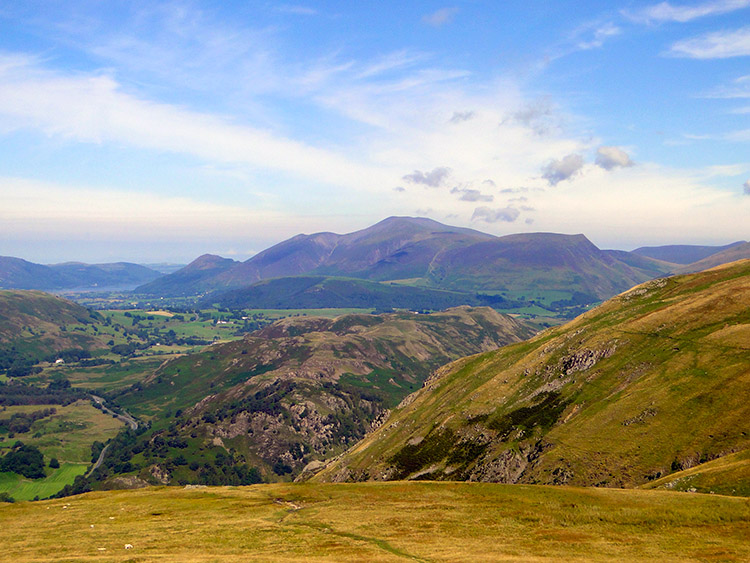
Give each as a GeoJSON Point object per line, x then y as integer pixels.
{"type": "Point", "coordinates": [379, 522]}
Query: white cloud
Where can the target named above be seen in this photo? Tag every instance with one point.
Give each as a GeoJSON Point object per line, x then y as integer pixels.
{"type": "Point", "coordinates": [564, 169]}
{"type": "Point", "coordinates": [488, 215]}
{"type": "Point", "coordinates": [612, 157]}
{"type": "Point", "coordinates": [600, 35]}
{"type": "Point", "coordinates": [714, 45]}
{"type": "Point", "coordinates": [666, 12]}
{"type": "Point", "coordinates": [644, 203]}
{"type": "Point", "coordinates": [739, 89]}
{"type": "Point", "coordinates": [440, 17]}
{"type": "Point", "coordinates": [433, 178]}
{"type": "Point", "coordinates": [746, 187]}
{"type": "Point", "coordinates": [470, 194]}
{"type": "Point", "coordinates": [97, 110]}
{"type": "Point", "coordinates": [459, 116]}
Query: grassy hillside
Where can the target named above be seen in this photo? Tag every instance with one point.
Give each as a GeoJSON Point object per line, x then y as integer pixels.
{"type": "Point", "coordinates": [32, 324]}
{"type": "Point", "coordinates": [298, 391]}
{"type": "Point", "coordinates": [378, 522]}
{"type": "Point", "coordinates": [308, 292]}
{"type": "Point", "coordinates": [652, 382]}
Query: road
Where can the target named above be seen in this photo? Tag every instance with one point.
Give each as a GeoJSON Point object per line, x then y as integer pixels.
{"type": "Point", "coordinates": [124, 417]}
{"type": "Point", "coordinates": [98, 461]}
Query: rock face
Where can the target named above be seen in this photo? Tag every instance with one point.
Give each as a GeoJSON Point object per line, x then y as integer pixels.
{"type": "Point", "coordinates": [651, 382]}
{"type": "Point", "coordinates": [303, 389]}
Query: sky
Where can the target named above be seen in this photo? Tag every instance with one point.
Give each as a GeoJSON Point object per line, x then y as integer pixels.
{"type": "Point", "coordinates": [159, 131]}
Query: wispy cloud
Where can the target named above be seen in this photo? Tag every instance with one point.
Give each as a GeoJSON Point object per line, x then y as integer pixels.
{"type": "Point", "coordinates": [746, 188]}
{"type": "Point", "coordinates": [440, 17]}
{"type": "Point", "coordinates": [739, 88]}
{"type": "Point", "coordinates": [666, 12]}
{"type": "Point", "coordinates": [599, 36]}
{"type": "Point", "coordinates": [714, 45]}
{"type": "Point", "coordinates": [297, 9]}
{"type": "Point", "coordinates": [97, 110]}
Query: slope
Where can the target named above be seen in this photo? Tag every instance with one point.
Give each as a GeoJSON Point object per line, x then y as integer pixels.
{"type": "Point", "coordinates": [736, 252]}
{"type": "Point", "coordinates": [682, 253]}
{"type": "Point", "coordinates": [32, 326]}
{"type": "Point", "coordinates": [295, 392]}
{"type": "Point", "coordinates": [651, 382]}
{"type": "Point", "coordinates": [378, 522]}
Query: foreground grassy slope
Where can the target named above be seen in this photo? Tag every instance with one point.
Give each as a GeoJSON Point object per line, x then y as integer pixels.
{"type": "Point", "coordinates": [379, 522]}
{"type": "Point", "coordinates": [654, 381]}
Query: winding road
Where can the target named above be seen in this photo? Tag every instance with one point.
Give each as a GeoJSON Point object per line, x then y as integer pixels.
{"type": "Point", "coordinates": [124, 417]}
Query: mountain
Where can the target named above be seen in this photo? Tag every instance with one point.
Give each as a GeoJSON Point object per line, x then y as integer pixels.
{"type": "Point", "coordinates": [424, 253]}
{"type": "Point", "coordinates": [195, 278]}
{"type": "Point", "coordinates": [651, 382]}
{"type": "Point", "coordinates": [295, 392]}
{"type": "Point", "coordinates": [682, 253]}
{"type": "Point", "coordinates": [536, 261]}
{"type": "Point", "coordinates": [736, 252]}
{"type": "Point", "coordinates": [33, 327]}
{"type": "Point", "coordinates": [16, 273]}
{"type": "Point", "coordinates": [114, 275]}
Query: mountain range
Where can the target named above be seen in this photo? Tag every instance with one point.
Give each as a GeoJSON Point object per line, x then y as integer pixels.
{"type": "Point", "coordinates": [16, 273]}
{"type": "Point", "coordinates": [423, 253]}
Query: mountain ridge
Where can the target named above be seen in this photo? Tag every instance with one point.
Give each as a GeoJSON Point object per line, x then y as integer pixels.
{"type": "Point", "coordinates": [651, 382]}
{"type": "Point", "coordinates": [425, 253]}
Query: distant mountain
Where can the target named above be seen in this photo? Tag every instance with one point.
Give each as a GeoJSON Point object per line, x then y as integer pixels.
{"type": "Point", "coordinates": [197, 277]}
{"type": "Point", "coordinates": [650, 383]}
{"type": "Point", "coordinates": [682, 253]}
{"type": "Point", "coordinates": [424, 253]}
{"type": "Point", "coordinates": [298, 391]}
{"type": "Point", "coordinates": [737, 251]}
{"type": "Point", "coordinates": [118, 274]}
{"type": "Point", "coordinates": [16, 273]}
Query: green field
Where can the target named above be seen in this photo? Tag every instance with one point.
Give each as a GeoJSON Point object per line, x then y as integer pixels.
{"type": "Point", "coordinates": [67, 436]}
{"type": "Point", "coordinates": [379, 522]}
{"type": "Point", "coordinates": [20, 488]}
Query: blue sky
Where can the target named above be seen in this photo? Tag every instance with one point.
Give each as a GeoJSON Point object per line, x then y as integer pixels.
{"type": "Point", "coordinates": [158, 131]}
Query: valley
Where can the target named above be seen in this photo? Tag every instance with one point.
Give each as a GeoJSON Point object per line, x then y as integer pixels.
{"type": "Point", "coordinates": [462, 381]}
